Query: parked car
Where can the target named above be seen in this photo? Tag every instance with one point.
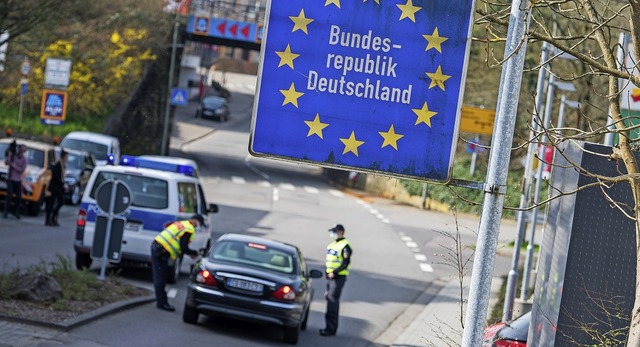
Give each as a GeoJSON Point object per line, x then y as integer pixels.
{"type": "Point", "coordinates": [213, 107]}
{"type": "Point", "coordinates": [255, 279]}
{"type": "Point", "coordinates": [512, 334]}
{"type": "Point", "coordinates": [80, 165]}
{"type": "Point", "coordinates": [35, 178]}
{"type": "Point", "coordinates": [105, 148]}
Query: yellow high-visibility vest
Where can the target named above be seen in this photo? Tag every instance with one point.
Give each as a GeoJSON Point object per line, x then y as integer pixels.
{"type": "Point", "coordinates": [334, 257]}
{"type": "Point", "coordinates": [169, 238]}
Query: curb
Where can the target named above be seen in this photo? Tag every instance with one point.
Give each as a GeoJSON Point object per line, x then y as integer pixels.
{"type": "Point", "coordinates": [84, 318]}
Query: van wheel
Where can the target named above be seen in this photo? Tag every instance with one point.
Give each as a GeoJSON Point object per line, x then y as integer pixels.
{"type": "Point", "coordinates": [83, 261]}
{"type": "Point", "coordinates": [174, 271]}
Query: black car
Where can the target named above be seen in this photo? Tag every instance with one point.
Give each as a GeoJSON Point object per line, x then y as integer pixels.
{"type": "Point", "coordinates": [80, 164]}
{"type": "Point", "coordinates": [512, 334]}
{"type": "Point", "coordinates": [213, 107]}
{"type": "Point", "coordinates": [254, 279]}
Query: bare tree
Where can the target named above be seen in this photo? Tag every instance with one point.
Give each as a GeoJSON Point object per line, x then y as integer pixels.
{"type": "Point", "coordinates": [588, 30]}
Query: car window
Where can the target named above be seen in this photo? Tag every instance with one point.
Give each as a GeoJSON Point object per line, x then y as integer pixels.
{"type": "Point", "coordinates": [3, 148]}
{"type": "Point", "coordinates": [212, 102]}
{"type": "Point", "coordinates": [188, 197]}
{"type": "Point", "coordinates": [252, 254]}
{"type": "Point", "coordinates": [74, 162]}
{"type": "Point", "coordinates": [35, 157]}
{"type": "Point", "coordinates": [98, 150]}
{"type": "Point", "coordinates": [145, 191]}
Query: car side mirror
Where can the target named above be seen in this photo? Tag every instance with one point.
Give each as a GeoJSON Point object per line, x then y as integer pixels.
{"type": "Point", "coordinates": [316, 273]}
{"type": "Point", "coordinates": [212, 208]}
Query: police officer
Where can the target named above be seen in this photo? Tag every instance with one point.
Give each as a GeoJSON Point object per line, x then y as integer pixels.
{"type": "Point", "coordinates": [170, 244]}
{"type": "Point", "coordinates": [338, 261]}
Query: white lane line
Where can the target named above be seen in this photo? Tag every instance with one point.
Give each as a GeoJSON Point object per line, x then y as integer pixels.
{"type": "Point", "coordinates": [172, 293]}
{"type": "Point", "coordinates": [420, 257]}
{"type": "Point", "coordinates": [238, 180]}
{"type": "Point", "coordinates": [406, 238]}
{"type": "Point", "coordinates": [386, 221]}
{"type": "Point", "coordinates": [276, 195]}
{"type": "Point", "coordinates": [380, 216]}
{"type": "Point", "coordinates": [265, 184]}
{"type": "Point", "coordinates": [311, 190]}
{"type": "Point", "coordinates": [411, 244]}
{"type": "Point", "coordinates": [373, 211]}
{"type": "Point", "coordinates": [426, 267]}
{"type": "Point", "coordinates": [287, 186]}
{"type": "Point", "coordinates": [336, 193]}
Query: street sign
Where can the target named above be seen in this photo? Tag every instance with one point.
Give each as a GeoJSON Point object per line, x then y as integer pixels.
{"type": "Point", "coordinates": [24, 86]}
{"type": "Point", "coordinates": [54, 107]}
{"type": "Point", "coordinates": [25, 68]}
{"type": "Point", "coordinates": [477, 120]}
{"type": "Point", "coordinates": [57, 73]}
{"type": "Point", "coordinates": [115, 233]}
{"type": "Point", "coordinates": [224, 28]}
{"type": "Point", "coordinates": [179, 97]}
{"type": "Point", "coordinates": [121, 199]}
{"type": "Point", "coordinates": [368, 86]}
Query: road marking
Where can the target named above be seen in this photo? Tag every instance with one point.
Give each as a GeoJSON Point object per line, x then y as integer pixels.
{"type": "Point", "coordinates": [276, 197]}
{"type": "Point", "coordinates": [311, 190]}
{"type": "Point", "coordinates": [385, 221]}
{"type": "Point", "coordinates": [287, 186]}
{"type": "Point", "coordinates": [172, 293]}
{"type": "Point", "coordinates": [420, 257]}
{"type": "Point", "coordinates": [336, 193]}
{"type": "Point", "coordinates": [426, 267]}
{"type": "Point", "coordinates": [265, 184]}
{"type": "Point", "coordinates": [406, 238]}
{"type": "Point", "coordinates": [373, 211]}
{"type": "Point", "coordinates": [238, 180]}
{"type": "Point", "coordinates": [411, 244]}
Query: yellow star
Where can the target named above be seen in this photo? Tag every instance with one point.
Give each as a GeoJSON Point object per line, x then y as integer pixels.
{"type": "Point", "coordinates": [300, 22]}
{"type": "Point", "coordinates": [435, 41]}
{"type": "Point", "coordinates": [390, 138]}
{"type": "Point", "coordinates": [438, 78]}
{"type": "Point", "coordinates": [377, 1]}
{"type": "Point", "coordinates": [315, 126]}
{"type": "Point", "coordinates": [424, 115]}
{"type": "Point", "coordinates": [329, 2]}
{"type": "Point", "coordinates": [408, 11]}
{"type": "Point", "coordinates": [286, 57]}
{"type": "Point", "coordinates": [351, 144]}
{"type": "Point", "coordinates": [291, 95]}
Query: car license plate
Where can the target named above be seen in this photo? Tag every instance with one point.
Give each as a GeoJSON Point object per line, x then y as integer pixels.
{"type": "Point", "coordinates": [132, 226]}
{"type": "Point", "coordinates": [246, 285]}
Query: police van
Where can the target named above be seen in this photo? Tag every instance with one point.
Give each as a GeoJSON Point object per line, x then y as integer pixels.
{"type": "Point", "coordinates": [159, 197]}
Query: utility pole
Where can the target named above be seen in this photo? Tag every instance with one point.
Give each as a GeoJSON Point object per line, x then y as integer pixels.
{"type": "Point", "coordinates": [167, 109]}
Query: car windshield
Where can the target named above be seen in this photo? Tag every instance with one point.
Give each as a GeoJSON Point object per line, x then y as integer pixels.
{"type": "Point", "coordinates": [212, 102]}
{"type": "Point", "coordinates": [253, 254]}
{"type": "Point", "coordinates": [35, 157]}
{"type": "Point", "coordinates": [99, 151]}
{"type": "Point", "coordinates": [74, 162]}
{"type": "Point", "coordinates": [145, 191]}
{"type": "Point", "coordinates": [3, 148]}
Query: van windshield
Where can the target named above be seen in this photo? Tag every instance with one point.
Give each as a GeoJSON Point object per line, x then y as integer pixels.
{"type": "Point", "coordinates": [145, 191]}
{"type": "Point", "coordinates": [99, 151]}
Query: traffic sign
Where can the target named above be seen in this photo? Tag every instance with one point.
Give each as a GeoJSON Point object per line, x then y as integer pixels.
{"type": "Point", "coordinates": [115, 234]}
{"type": "Point", "coordinates": [25, 68]}
{"type": "Point", "coordinates": [477, 120]}
{"type": "Point", "coordinates": [121, 197]}
{"type": "Point", "coordinates": [54, 107]}
{"type": "Point", "coordinates": [378, 94]}
{"type": "Point", "coordinates": [223, 28]}
{"type": "Point", "coordinates": [179, 97]}
{"type": "Point", "coordinates": [24, 86]}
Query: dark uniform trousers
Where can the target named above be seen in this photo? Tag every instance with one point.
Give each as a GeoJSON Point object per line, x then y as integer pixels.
{"type": "Point", "coordinates": [334, 290]}
{"type": "Point", "coordinates": [160, 262]}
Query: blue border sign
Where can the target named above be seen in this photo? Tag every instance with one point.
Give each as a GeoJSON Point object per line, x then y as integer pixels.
{"type": "Point", "coordinates": [371, 85]}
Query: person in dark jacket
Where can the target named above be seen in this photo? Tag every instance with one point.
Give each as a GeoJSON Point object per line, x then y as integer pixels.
{"type": "Point", "coordinates": [56, 190]}
{"type": "Point", "coordinates": [17, 162]}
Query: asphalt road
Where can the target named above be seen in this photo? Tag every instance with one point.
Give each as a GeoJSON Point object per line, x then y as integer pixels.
{"type": "Point", "coordinates": [399, 251]}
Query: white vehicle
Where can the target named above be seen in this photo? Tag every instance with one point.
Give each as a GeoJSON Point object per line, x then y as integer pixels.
{"type": "Point", "coordinates": [175, 164]}
{"type": "Point", "coordinates": [158, 198]}
{"type": "Point", "coordinates": [105, 148]}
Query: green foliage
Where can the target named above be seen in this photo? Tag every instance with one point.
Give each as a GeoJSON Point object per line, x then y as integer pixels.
{"type": "Point", "coordinates": [456, 196]}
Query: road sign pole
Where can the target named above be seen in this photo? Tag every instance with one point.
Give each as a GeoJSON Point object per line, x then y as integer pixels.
{"type": "Point", "coordinates": [495, 186]}
{"type": "Point", "coordinates": [21, 103]}
{"type": "Point", "coordinates": [107, 236]}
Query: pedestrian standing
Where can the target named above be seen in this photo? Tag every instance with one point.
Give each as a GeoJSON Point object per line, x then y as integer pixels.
{"type": "Point", "coordinates": [172, 242]}
{"type": "Point", "coordinates": [56, 188]}
{"type": "Point", "coordinates": [338, 260]}
{"type": "Point", "coordinates": [16, 161]}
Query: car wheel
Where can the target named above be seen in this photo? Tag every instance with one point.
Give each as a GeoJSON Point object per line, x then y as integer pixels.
{"type": "Point", "coordinates": [75, 195]}
{"type": "Point", "coordinates": [174, 272]}
{"type": "Point", "coordinates": [303, 326]}
{"type": "Point", "coordinates": [291, 334]}
{"type": "Point", "coordinates": [190, 314]}
{"type": "Point", "coordinates": [83, 261]}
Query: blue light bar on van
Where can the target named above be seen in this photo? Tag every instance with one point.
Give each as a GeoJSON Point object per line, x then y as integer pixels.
{"type": "Point", "coordinates": [132, 161]}
{"type": "Point", "coordinates": [111, 159]}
